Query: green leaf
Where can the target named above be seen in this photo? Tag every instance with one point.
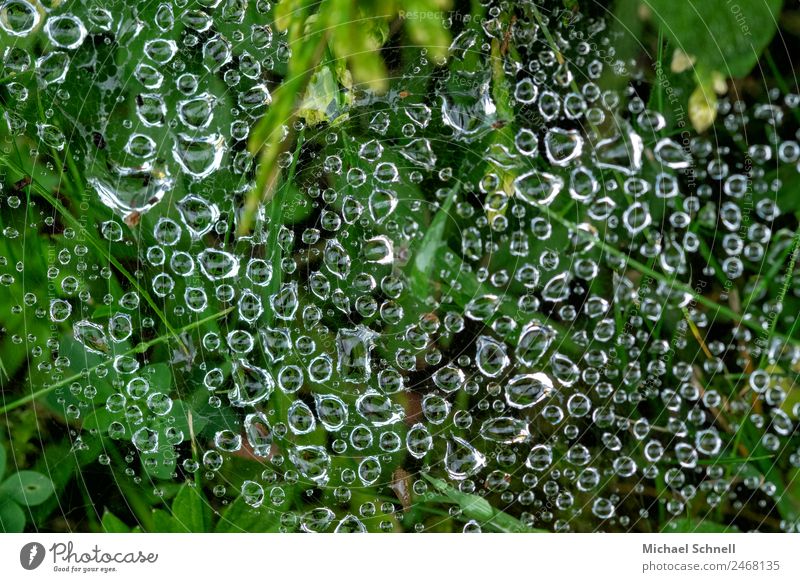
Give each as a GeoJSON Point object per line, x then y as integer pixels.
{"type": "Point", "coordinates": [160, 376]}
{"type": "Point", "coordinates": [163, 522]}
{"type": "Point", "coordinates": [789, 183]}
{"type": "Point", "coordinates": [98, 419]}
{"type": "Point", "coordinates": [191, 510]}
{"type": "Point", "coordinates": [297, 206]}
{"type": "Point", "coordinates": [688, 525]}
{"type": "Point", "coordinates": [182, 413]}
{"type": "Point", "coordinates": [28, 487]}
{"type": "Point", "coordinates": [161, 464]}
{"type": "Point", "coordinates": [724, 36]}
{"type": "Point", "coordinates": [112, 524]}
{"type": "Point", "coordinates": [2, 461]}
{"type": "Point", "coordinates": [240, 517]}
{"type": "Point", "coordinates": [477, 508]}
{"type": "Point", "coordinates": [423, 266]}
{"type": "Point", "coordinates": [12, 518]}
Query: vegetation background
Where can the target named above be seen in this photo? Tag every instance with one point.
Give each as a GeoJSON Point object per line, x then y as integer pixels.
{"type": "Point", "coordinates": [54, 480]}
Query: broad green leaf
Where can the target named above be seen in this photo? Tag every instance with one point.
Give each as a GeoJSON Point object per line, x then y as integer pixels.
{"type": "Point", "coordinates": [787, 198]}
{"type": "Point", "coordinates": [163, 522]}
{"type": "Point", "coordinates": [724, 36]}
{"type": "Point", "coordinates": [2, 461]}
{"type": "Point", "coordinates": [161, 464]}
{"type": "Point", "coordinates": [159, 376]}
{"type": "Point", "coordinates": [98, 419]}
{"type": "Point", "coordinates": [183, 413]}
{"type": "Point", "coordinates": [240, 517]}
{"type": "Point", "coordinates": [112, 524]}
{"type": "Point", "coordinates": [12, 518]}
{"type": "Point", "coordinates": [28, 487]}
{"type": "Point", "coordinates": [297, 206]}
{"type": "Point", "coordinates": [478, 508]}
{"type": "Point", "coordinates": [191, 510]}
{"type": "Point", "coordinates": [204, 416]}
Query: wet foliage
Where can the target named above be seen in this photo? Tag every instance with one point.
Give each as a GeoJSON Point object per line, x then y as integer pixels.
{"type": "Point", "coordinates": [399, 266]}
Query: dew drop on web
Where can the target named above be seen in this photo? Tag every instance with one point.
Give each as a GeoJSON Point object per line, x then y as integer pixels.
{"type": "Point", "coordinates": [455, 287]}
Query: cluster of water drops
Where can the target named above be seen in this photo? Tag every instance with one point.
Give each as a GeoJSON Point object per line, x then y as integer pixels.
{"type": "Point", "coordinates": [491, 277]}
